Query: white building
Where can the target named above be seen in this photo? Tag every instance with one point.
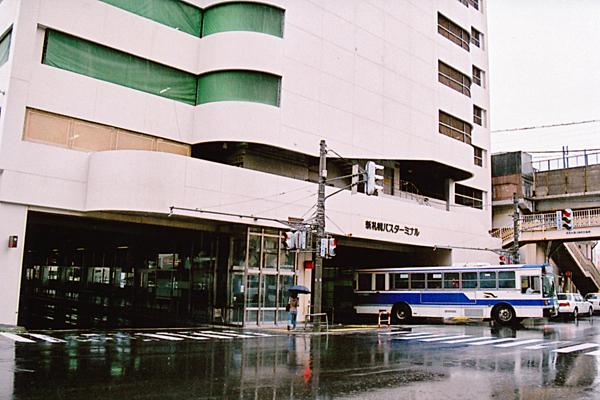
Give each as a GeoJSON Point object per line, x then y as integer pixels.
{"type": "Point", "coordinates": [114, 111]}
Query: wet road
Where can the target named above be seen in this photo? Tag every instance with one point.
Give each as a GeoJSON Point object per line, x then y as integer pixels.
{"type": "Point", "coordinates": [429, 360]}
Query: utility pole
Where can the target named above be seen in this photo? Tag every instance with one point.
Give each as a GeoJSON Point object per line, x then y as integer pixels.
{"type": "Point", "coordinates": [320, 229]}
{"type": "Point", "coordinates": [515, 249]}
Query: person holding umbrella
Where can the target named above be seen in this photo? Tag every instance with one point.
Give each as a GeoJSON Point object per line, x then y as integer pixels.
{"type": "Point", "coordinates": [293, 302]}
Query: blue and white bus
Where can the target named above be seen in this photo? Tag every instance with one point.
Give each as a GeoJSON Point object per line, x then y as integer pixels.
{"type": "Point", "coordinates": [506, 293]}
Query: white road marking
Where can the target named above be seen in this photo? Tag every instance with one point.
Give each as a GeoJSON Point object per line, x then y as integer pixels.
{"type": "Point", "coordinates": [179, 335]}
{"type": "Point", "coordinates": [157, 336]}
{"type": "Point", "coordinates": [545, 345]}
{"type": "Point", "coordinates": [16, 338]}
{"type": "Point", "coordinates": [209, 335]}
{"type": "Point", "coordinates": [579, 347]}
{"type": "Point", "coordinates": [469, 340]}
{"type": "Point", "coordinates": [491, 341]}
{"type": "Point", "coordinates": [519, 343]}
{"type": "Point", "coordinates": [46, 338]}
{"type": "Point", "coordinates": [438, 339]}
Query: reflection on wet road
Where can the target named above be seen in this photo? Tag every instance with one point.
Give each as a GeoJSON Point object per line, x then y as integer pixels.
{"type": "Point", "coordinates": [435, 361]}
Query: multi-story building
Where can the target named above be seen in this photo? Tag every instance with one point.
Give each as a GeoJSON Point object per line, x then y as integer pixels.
{"type": "Point", "coordinates": [152, 152]}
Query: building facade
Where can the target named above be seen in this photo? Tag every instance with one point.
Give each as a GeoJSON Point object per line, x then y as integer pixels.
{"type": "Point", "coordinates": [154, 153]}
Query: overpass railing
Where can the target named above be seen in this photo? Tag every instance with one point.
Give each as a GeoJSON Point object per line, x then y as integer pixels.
{"type": "Point", "coordinates": [548, 221]}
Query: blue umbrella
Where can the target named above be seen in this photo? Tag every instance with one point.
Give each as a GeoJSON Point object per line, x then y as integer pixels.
{"type": "Point", "coordinates": [299, 289]}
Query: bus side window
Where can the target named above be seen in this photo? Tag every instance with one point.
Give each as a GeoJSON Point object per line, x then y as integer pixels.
{"type": "Point", "coordinates": [451, 280]}
{"type": "Point", "coordinates": [530, 284]}
{"type": "Point", "coordinates": [400, 281]}
{"type": "Point", "coordinates": [379, 281]}
{"type": "Point", "coordinates": [434, 280]}
{"type": "Point", "coordinates": [417, 280]}
{"type": "Point", "coordinates": [469, 280]}
{"type": "Point", "coordinates": [506, 279]}
{"type": "Point", "coordinates": [487, 280]}
{"type": "Point", "coordinates": [365, 283]}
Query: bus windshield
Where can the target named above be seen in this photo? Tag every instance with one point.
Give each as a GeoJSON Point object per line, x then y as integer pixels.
{"type": "Point", "coordinates": [548, 289]}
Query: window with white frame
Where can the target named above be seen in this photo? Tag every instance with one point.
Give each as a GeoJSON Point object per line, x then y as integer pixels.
{"type": "Point", "coordinates": [452, 31]}
{"type": "Point", "coordinates": [478, 156]}
{"type": "Point", "coordinates": [478, 115]}
{"type": "Point", "coordinates": [454, 79]}
{"type": "Point", "coordinates": [467, 196]}
{"type": "Point", "coordinates": [455, 128]}
{"type": "Point", "coordinates": [478, 76]}
{"type": "Point", "coordinates": [476, 38]}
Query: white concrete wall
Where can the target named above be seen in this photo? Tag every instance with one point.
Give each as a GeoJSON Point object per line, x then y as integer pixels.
{"type": "Point", "coordinates": [12, 223]}
{"type": "Point", "coordinates": [361, 75]}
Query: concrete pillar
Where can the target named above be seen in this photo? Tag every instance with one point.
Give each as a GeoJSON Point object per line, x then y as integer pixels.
{"type": "Point", "coordinates": [13, 219]}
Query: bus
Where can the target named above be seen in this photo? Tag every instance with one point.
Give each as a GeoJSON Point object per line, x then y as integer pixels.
{"type": "Point", "coordinates": [504, 293]}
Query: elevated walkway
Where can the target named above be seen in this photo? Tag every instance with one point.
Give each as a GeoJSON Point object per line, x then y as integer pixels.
{"type": "Point", "coordinates": [544, 227]}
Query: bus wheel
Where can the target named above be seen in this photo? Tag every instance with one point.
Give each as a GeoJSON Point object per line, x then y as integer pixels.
{"type": "Point", "coordinates": [504, 314]}
{"type": "Point", "coordinates": [401, 313]}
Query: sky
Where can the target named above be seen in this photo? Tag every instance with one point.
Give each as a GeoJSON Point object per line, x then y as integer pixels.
{"type": "Point", "coordinates": [544, 70]}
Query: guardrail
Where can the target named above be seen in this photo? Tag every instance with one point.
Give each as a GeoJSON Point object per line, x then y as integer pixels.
{"type": "Point", "coordinates": [389, 319]}
{"type": "Point", "coordinates": [316, 315]}
{"type": "Point", "coordinates": [548, 221]}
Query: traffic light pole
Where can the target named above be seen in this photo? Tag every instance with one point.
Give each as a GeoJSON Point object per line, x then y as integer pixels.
{"type": "Point", "coordinates": [320, 225]}
{"type": "Point", "coordinates": [515, 216]}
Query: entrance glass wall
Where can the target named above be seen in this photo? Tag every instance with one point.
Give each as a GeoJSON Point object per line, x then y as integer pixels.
{"type": "Point", "coordinates": [83, 273]}
{"type": "Point", "coordinates": [258, 286]}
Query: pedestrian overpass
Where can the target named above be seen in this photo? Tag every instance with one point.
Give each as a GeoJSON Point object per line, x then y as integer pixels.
{"type": "Point", "coordinates": [560, 245]}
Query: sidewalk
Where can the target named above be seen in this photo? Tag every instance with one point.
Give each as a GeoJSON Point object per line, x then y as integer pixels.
{"type": "Point", "coordinates": [11, 328]}
{"type": "Point", "coordinates": [310, 328]}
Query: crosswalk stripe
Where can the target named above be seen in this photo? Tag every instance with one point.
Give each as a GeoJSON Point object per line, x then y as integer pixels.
{"type": "Point", "coordinates": [233, 333]}
{"type": "Point", "coordinates": [157, 336]}
{"type": "Point", "coordinates": [16, 338]}
{"type": "Point", "coordinates": [418, 336]}
{"type": "Point", "coordinates": [468, 340]}
{"type": "Point", "coordinates": [46, 338]}
{"type": "Point", "coordinates": [179, 335]}
{"type": "Point", "coordinates": [579, 347]}
{"type": "Point", "coordinates": [519, 343]}
{"type": "Point", "coordinates": [209, 335]}
{"type": "Point", "coordinates": [545, 345]}
{"type": "Point", "coordinates": [491, 341]}
{"type": "Point", "coordinates": [439, 339]}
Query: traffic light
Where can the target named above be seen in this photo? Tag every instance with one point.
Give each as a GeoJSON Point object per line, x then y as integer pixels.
{"type": "Point", "coordinates": [291, 240]}
{"type": "Point", "coordinates": [567, 219]}
{"type": "Point", "coordinates": [332, 245]}
{"type": "Point", "coordinates": [372, 177]}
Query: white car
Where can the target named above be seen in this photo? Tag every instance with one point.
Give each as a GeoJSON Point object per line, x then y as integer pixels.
{"type": "Point", "coordinates": [594, 298]}
{"type": "Point", "coordinates": [574, 304]}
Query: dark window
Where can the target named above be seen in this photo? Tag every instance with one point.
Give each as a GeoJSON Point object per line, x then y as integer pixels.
{"type": "Point", "coordinates": [364, 282]}
{"type": "Point", "coordinates": [434, 280]}
{"type": "Point", "coordinates": [451, 280]}
{"type": "Point", "coordinates": [455, 33]}
{"type": "Point", "coordinates": [506, 280]}
{"type": "Point", "coordinates": [401, 281]}
{"type": "Point", "coordinates": [477, 76]}
{"type": "Point", "coordinates": [467, 196]}
{"type": "Point", "coordinates": [379, 281]}
{"type": "Point", "coordinates": [417, 281]}
{"type": "Point", "coordinates": [454, 79]}
{"type": "Point", "coordinates": [469, 280]}
{"type": "Point", "coordinates": [476, 37]}
{"type": "Point", "coordinates": [487, 280]}
{"type": "Point", "coordinates": [478, 115]}
{"type": "Point", "coordinates": [455, 128]}
{"type": "Point", "coordinates": [478, 156]}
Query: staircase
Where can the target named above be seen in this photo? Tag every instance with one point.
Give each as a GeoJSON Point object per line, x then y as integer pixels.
{"type": "Point", "coordinates": [584, 273]}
